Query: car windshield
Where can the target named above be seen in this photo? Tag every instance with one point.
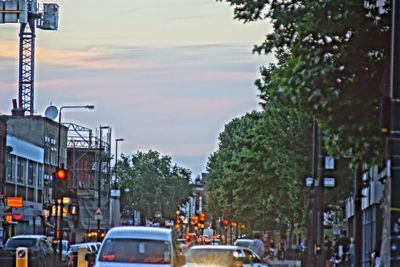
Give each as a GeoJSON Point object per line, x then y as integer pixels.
{"type": "Point", "coordinates": [211, 256]}
{"type": "Point", "coordinates": [136, 250]}
{"type": "Point", "coordinates": [21, 242]}
{"type": "Point", "coordinates": [244, 243]}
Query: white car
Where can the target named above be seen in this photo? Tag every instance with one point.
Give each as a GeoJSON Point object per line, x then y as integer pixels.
{"type": "Point", "coordinates": [222, 256]}
{"type": "Point", "coordinates": [138, 246]}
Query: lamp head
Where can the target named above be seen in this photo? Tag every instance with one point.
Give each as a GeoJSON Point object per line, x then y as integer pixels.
{"type": "Point", "coordinates": [89, 106]}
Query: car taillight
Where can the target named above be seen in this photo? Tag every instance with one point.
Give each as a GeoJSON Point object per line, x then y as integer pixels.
{"type": "Point", "coordinates": [109, 257]}
{"type": "Point", "coordinates": [238, 264]}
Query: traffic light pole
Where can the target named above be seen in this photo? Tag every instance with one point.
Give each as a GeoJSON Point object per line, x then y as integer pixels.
{"type": "Point", "coordinates": [58, 231]}
{"type": "Point", "coordinates": [394, 138]}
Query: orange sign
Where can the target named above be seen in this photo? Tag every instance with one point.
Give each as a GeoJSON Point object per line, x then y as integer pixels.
{"type": "Point", "coordinates": [8, 218]}
{"type": "Point", "coordinates": [15, 202]}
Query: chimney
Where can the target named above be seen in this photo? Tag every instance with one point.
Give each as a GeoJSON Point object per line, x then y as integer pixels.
{"type": "Point", "coordinates": [15, 110]}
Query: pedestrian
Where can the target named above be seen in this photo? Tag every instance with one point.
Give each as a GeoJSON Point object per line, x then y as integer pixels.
{"type": "Point", "coordinates": [267, 247]}
{"type": "Point", "coordinates": [343, 248]}
{"type": "Point", "coordinates": [258, 245]}
{"type": "Point", "coordinates": [328, 251]}
{"type": "Point", "coordinates": [343, 244]}
{"type": "Point", "coordinates": [282, 249]}
{"type": "Point", "coordinates": [272, 249]}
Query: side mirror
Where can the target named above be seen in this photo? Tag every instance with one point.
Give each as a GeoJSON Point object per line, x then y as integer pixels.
{"type": "Point", "coordinates": [90, 257]}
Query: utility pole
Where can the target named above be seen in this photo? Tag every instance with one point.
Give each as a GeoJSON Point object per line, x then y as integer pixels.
{"type": "Point", "coordinates": [319, 195]}
{"type": "Point", "coordinates": [394, 138]}
{"type": "Point", "coordinates": [100, 170]}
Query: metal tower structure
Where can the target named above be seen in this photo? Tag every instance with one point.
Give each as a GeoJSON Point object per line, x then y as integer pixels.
{"type": "Point", "coordinates": [30, 15]}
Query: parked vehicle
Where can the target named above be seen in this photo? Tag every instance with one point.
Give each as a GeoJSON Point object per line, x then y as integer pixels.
{"type": "Point", "coordinates": [92, 247]}
{"type": "Point", "coordinates": [138, 246]}
{"type": "Point", "coordinates": [66, 256]}
{"type": "Point", "coordinates": [40, 251]}
{"type": "Point", "coordinates": [222, 256]}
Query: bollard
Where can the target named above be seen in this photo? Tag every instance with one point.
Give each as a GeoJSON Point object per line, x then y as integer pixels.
{"type": "Point", "coordinates": [81, 257]}
{"type": "Point", "coordinates": [21, 257]}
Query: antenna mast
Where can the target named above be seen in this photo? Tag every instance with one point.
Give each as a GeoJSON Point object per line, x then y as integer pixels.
{"type": "Point", "coordinates": [28, 14]}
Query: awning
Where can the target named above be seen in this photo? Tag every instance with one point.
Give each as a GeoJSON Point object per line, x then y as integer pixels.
{"type": "Point", "coordinates": [87, 209]}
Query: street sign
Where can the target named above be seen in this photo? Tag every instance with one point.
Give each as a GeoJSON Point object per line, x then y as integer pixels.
{"type": "Point", "coordinates": [115, 193]}
{"type": "Point", "coordinates": [329, 163]}
{"type": "Point", "coordinates": [98, 215]}
{"type": "Point", "coordinates": [309, 181]}
{"type": "Point", "coordinates": [329, 182]}
{"type": "Point", "coordinates": [336, 228]}
{"type": "Point", "coordinates": [169, 223]}
{"type": "Point", "coordinates": [15, 202]}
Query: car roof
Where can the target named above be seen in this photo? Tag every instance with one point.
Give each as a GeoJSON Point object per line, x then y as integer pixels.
{"type": "Point", "coordinates": [245, 239]}
{"type": "Point", "coordinates": [28, 236]}
{"type": "Point", "coordinates": [140, 232]}
{"type": "Point", "coordinates": [223, 247]}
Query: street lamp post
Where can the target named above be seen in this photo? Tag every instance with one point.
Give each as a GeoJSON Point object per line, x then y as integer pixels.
{"type": "Point", "coordinates": [114, 202]}
{"type": "Point", "coordinates": [99, 181]}
{"type": "Point", "coordinates": [116, 181]}
{"type": "Point", "coordinates": [60, 223]}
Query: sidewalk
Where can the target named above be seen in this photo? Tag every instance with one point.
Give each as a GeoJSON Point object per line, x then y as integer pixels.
{"type": "Point", "coordinates": [284, 263]}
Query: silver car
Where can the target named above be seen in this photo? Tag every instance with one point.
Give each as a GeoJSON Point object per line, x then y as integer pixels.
{"type": "Point", "coordinates": [139, 246]}
{"type": "Point", "coordinates": [222, 256]}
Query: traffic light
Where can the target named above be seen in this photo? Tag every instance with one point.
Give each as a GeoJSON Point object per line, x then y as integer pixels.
{"type": "Point", "coordinates": [317, 249]}
{"type": "Point", "coordinates": [225, 222]}
{"type": "Point", "coordinates": [178, 222]}
{"type": "Point", "coordinates": [60, 182]}
{"type": "Point", "coordinates": [196, 219]}
{"type": "Point", "coordinates": [202, 217]}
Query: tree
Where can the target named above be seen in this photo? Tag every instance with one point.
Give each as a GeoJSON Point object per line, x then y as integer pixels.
{"type": "Point", "coordinates": [259, 168]}
{"type": "Point", "coordinates": [150, 182]}
{"type": "Point", "coordinates": [332, 56]}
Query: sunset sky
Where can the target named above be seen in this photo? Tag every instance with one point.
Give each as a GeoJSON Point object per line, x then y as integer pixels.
{"type": "Point", "coordinates": [164, 74]}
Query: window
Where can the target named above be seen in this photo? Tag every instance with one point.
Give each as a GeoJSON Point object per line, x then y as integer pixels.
{"type": "Point", "coordinates": [21, 163]}
{"type": "Point", "coordinates": [136, 250]}
{"type": "Point", "coordinates": [31, 172]}
{"type": "Point", "coordinates": [255, 258]}
{"type": "Point", "coordinates": [11, 168]}
{"type": "Point", "coordinates": [40, 176]}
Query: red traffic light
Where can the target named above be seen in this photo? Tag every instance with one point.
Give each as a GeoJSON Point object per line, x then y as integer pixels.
{"type": "Point", "coordinates": [60, 174]}
{"type": "Point", "coordinates": [226, 222]}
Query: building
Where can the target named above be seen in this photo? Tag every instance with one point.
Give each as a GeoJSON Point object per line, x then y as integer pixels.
{"type": "Point", "coordinates": [30, 145]}
{"type": "Point", "coordinates": [89, 161]}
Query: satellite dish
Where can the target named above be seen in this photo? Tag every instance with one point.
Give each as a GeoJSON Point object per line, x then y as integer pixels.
{"type": "Point", "coordinates": [51, 112]}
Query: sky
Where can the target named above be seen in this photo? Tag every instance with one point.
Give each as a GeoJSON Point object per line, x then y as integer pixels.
{"type": "Point", "coordinates": [166, 75]}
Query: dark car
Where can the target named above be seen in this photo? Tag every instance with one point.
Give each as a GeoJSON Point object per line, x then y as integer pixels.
{"type": "Point", "coordinates": [222, 256]}
{"type": "Point", "coordinates": [40, 252]}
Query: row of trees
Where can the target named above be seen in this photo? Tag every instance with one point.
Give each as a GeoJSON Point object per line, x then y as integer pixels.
{"type": "Point", "coordinates": [332, 62]}
{"type": "Point", "coordinates": [151, 183]}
